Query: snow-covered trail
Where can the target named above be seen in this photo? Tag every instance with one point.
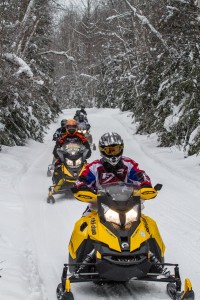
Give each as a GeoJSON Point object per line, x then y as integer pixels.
{"type": "Point", "coordinates": [42, 231]}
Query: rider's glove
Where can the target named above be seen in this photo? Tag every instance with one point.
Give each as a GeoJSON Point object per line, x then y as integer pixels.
{"type": "Point", "coordinates": [74, 189]}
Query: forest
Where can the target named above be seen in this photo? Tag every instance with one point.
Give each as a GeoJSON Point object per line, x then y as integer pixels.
{"type": "Point", "coordinates": [138, 56]}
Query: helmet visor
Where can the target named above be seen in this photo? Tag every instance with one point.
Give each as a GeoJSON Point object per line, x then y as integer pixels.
{"type": "Point", "coordinates": [112, 150]}
{"type": "Point", "coordinates": [71, 128]}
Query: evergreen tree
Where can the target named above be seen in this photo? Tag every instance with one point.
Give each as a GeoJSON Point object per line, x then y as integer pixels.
{"type": "Point", "coordinates": [26, 97]}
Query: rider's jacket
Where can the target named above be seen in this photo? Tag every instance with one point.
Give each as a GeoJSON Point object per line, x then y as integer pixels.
{"type": "Point", "coordinates": [68, 138]}
{"type": "Point", "coordinates": [58, 133]}
{"type": "Point", "coordinates": [98, 173]}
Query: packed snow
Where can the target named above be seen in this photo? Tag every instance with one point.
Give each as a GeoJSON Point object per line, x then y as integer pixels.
{"type": "Point", "coordinates": [34, 235]}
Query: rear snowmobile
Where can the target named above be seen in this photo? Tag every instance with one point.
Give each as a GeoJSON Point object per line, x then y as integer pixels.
{"type": "Point", "coordinates": [73, 161]}
{"type": "Point", "coordinates": [117, 243]}
{"type": "Point", "coordinates": [82, 128]}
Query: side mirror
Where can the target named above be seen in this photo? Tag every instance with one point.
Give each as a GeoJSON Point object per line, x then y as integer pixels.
{"type": "Point", "coordinates": [158, 186]}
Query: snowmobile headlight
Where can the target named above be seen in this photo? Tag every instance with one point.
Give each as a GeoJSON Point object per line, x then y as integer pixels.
{"type": "Point", "coordinates": [69, 162]}
{"type": "Point", "coordinates": [112, 216]}
{"type": "Point", "coordinates": [132, 215]}
{"type": "Point", "coordinates": [78, 162]}
{"type": "Point", "coordinates": [84, 131]}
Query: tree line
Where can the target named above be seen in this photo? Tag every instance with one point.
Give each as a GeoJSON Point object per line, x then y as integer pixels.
{"type": "Point", "coordinates": [137, 55]}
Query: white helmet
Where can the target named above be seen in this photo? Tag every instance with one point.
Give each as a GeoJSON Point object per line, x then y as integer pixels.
{"type": "Point", "coordinates": [111, 147]}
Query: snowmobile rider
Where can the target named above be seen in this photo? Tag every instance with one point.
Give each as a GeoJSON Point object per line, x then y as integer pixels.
{"type": "Point", "coordinates": [82, 120]}
{"type": "Point", "coordinates": [71, 136]}
{"type": "Point", "coordinates": [60, 131]}
{"type": "Point", "coordinates": [112, 167]}
{"type": "Point", "coordinates": [76, 116]}
{"type": "Point", "coordinates": [57, 135]}
{"type": "Point", "coordinates": [83, 111]}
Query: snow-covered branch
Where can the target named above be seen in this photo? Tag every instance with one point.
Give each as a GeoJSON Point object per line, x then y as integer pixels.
{"type": "Point", "coordinates": [143, 19]}
{"type": "Point", "coordinates": [89, 76]}
{"type": "Point", "coordinates": [23, 67]}
{"type": "Point", "coordinates": [119, 16]}
{"type": "Point", "coordinates": [62, 53]}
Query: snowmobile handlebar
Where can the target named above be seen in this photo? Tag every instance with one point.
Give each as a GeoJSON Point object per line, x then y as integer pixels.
{"type": "Point", "coordinates": [86, 194]}
{"type": "Point", "coordinates": [148, 193]}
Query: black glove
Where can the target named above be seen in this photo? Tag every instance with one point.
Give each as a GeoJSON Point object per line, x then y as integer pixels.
{"type": "Point", "coordinates": [74, 189]}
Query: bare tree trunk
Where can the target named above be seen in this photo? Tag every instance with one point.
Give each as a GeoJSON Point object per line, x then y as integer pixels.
{"type": "Point", "coordinates": [24, 22]}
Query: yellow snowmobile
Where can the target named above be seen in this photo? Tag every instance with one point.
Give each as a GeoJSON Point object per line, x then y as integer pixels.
{"type": "Point", "coordinates": [117, 243]}
{"type": "Point", "coordinates": [73, 161]}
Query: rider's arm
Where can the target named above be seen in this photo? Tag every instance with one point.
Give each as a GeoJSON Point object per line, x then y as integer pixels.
{"type": "Point", "coordinates": [59, 143]}
{"type": "Point", "coordinates": [137, 176]}
{"type": "Point", "coordinates": [83, 188]}
{"type": "Point", "coordinates": [87, 145]}
{"type": "Point", "coordinates": [86, 179]}
{"type": "Point", "coordinates": [56, 134]}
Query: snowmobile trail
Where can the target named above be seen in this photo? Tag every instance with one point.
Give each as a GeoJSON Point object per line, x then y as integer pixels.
{"type": "Point", "coordinates": [47, 228]}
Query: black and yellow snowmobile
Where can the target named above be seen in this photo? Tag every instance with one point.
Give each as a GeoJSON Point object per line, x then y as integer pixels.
{"type": "Point", "coordinates": [73, 160]}
{"type": "Point", "coordinates": [117, 243]}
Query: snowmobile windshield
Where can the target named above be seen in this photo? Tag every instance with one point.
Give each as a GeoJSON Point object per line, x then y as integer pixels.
{"type": "Point", "coordinates": [117, 205]}
{"type": "Point", "coordinates": [119, 191]}
{"type": "Point", "coordinates": [82, 126]}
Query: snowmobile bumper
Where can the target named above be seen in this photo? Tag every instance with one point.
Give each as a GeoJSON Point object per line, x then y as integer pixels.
{"type": "Point", "coordinates": [173, 286]}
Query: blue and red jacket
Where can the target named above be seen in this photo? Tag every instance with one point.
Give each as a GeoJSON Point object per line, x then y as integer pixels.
{"type": "Point", "coordinates": [98, 172]}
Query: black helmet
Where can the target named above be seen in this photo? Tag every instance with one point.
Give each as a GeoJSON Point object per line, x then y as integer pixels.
{"type": "Point", "coordinates": [63, 123]}
{"type": "Point", "coordinates": [71, 126]}
{"type": "Point", "coordinates": [81, 117]}
{"type": "Point", "coordinates": [111, 147]}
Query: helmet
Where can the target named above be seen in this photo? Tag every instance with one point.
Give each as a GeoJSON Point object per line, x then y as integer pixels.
{"type": "Point", "coordinates": [63, 123]}
{"type": "Point", "coordinates": [71, 126]}
{"type": "Point", "coordinates": [111, 147]}
{"type": "Point", "coordinates": [81, 117]}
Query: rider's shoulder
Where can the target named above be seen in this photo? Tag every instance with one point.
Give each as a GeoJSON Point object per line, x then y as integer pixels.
{"type": "Point", "coordinates": [95, 162]}
{"type": "Point", "coordinates": [126, 159]}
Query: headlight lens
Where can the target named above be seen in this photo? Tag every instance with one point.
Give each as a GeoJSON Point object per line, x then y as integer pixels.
{"type": "Point", "coordinates": [84, 131]}
{"type": "Point", "coordinates": [78, 162]}
{"type": "Point", "coordinates": [112, 216]}
{"type": "Point", "coordinates": [69, 162]}
{"type": "Point", "coordinates": [132, 215]}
